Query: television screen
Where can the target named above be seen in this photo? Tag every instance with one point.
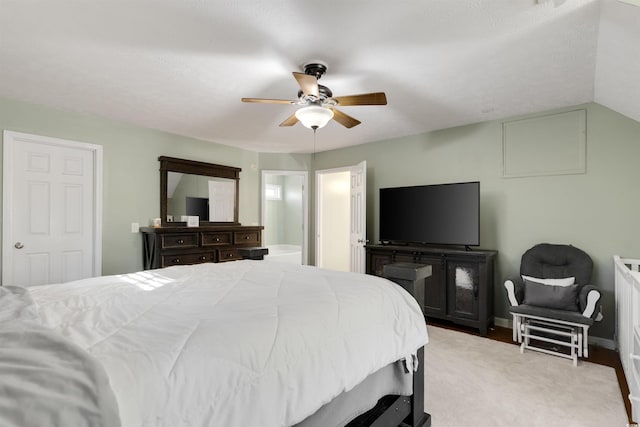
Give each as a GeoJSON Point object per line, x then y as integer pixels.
{"type": "Point", "coordinates": [444, 214]}
{"type": "Point", "coordinates": [198, 206]}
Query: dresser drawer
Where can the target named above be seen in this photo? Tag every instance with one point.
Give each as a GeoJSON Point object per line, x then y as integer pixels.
{"type": "Point", "coordinates": [185, 259]}
{"type": "Point", "coordinates": [246, 237]}
{"type": "Point", "coordinates": [217, 238]}
{"type": "Point", "coordinates": [182, 240]}
{"type": "Point", "coordinates": [230, 254]}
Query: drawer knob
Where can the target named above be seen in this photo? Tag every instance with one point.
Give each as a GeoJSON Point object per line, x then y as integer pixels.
{"type": "Point", "coordinates": [246, 237]}
{"type": "Point", "coordinates": [180, 241]}
{"type": "Point", "coordinates": [203, 258]}
{"type": "Point", "coordinates": [217, 239]}
{"type": "Point", "coordinates": [229, 255]}
{"type": "Point", "coordinates": [176, 261]}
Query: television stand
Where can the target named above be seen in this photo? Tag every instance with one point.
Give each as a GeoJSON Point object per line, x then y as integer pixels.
{"type": "Point", "coordinates": [460, 288]}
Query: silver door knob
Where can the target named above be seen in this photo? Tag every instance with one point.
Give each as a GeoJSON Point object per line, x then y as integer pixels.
{"type": "Point", "coordinates": [18, 245]}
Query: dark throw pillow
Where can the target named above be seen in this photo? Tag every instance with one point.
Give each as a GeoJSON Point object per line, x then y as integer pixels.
{"type": "Point", "coordinates": [549, 296]}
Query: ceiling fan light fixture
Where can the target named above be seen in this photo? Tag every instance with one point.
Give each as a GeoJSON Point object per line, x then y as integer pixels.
{"type": "Point", "coordinates": [314, 116]}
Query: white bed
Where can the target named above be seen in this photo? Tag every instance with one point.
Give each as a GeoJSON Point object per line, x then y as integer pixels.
{"type": "Point", "coordinates": [245, 343]}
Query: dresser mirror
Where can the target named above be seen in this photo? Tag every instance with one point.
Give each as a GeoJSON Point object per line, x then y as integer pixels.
{"type": "Point", "coordinates": [205, 190]}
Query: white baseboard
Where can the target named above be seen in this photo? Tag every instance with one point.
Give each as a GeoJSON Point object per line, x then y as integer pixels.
{"type": "Point", "coordinates": [502, 322]}
{"type": "Point", "coordinates": [600, 342]}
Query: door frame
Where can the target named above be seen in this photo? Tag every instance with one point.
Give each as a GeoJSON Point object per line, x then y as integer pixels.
{"type": "Point", "coordinates": [305, 204]}
{"type": "Point", "coordinates": [10, 139]}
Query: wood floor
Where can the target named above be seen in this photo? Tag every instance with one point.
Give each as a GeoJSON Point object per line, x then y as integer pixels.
{"type": "Point", "coordinates": [599, 355]}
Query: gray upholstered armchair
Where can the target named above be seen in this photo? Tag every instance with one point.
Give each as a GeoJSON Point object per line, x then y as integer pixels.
{"type": "Point", "coordinates": [552, 300]}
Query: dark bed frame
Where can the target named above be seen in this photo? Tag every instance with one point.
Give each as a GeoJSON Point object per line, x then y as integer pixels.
{"type": "Point", "coordinates": [403, 411]}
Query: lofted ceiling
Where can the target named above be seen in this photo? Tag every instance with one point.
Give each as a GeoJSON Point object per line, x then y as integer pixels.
{"type": "Point", "coordinates": [182, 66]}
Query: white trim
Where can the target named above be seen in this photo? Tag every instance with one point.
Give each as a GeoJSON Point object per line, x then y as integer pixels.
{"type": "Point", "coordinates": [502, 322]}
{"type": "Point", "coordinates": [9, 139]}
{"type": "Point", "coordinates": [305, 204]}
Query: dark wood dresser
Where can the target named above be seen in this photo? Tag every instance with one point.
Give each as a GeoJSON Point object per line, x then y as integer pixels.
{"type": "Point", "coordinates": [167, 246]}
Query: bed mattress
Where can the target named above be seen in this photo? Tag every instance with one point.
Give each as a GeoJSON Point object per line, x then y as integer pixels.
{"type": "Point", "coordinates": [244, 343]}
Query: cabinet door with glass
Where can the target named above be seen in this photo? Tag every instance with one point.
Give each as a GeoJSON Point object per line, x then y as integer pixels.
{"type": "Point", "coordinates": [463, 285]}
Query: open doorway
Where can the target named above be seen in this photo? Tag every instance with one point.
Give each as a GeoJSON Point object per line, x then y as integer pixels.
{"type": "Point", "coordinates": [341, 218]}
{"type": "Point", "coordinates": [284, 215]}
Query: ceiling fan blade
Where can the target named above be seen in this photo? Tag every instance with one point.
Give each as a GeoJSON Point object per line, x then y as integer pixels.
{"type": "Point", "coordinates": [344, 119]}
{"type": "Point", "coordinates": [268, 101]}
{"type": "Point", "coordinates": [308, 84]}
{"type": "Point", "coordinates": [290, 121]}
{"type": "Point", "coordinates": [376, 98]}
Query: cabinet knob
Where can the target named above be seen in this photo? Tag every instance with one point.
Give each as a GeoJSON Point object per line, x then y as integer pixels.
{"type": "Point", "coordinates": [176, 261]}
{"type": "Point", "coordinates": [217, 239]}
{"type": "Point", "coordinates": [180, 241]}
{"type": "Point", "coordinates": [246, 237]}
{"type": "Point", "coordinates": [229, 255]}
{"type": "Point", "coordinates": [203, 258]}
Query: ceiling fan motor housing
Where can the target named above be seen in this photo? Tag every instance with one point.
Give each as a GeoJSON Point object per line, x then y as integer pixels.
{"type": "Point", "coordinates": [316, 69]}
{"type": "Point", "coordinates": [325, 93]}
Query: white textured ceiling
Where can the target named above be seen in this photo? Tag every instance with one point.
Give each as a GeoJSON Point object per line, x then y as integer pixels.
{"type": "Point", "coordinates": [182, 66]}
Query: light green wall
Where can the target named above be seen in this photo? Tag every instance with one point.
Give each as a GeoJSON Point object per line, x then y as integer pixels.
{"type": "Point", "coordinates": [131, 171]}
{"type": "Point", "coordinates": [596, 211]}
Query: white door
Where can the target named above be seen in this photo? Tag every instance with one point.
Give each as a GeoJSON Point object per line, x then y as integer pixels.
{"type": "Point", "coordinates": [358, 217]}
{"type": "Point", "coordinates": [51, 210]}
{"type": "Point", "coordinates": [341, 218]}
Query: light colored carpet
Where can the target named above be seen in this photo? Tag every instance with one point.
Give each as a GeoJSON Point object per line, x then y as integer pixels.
{"type": "Point", "coordinates": [474, 381]}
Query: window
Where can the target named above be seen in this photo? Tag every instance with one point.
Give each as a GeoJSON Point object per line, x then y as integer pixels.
{"type": "Point", "coordinates": [273, 192]}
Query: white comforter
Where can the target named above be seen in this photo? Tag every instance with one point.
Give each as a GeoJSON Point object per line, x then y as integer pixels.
{"type": "Point", "coordinates": [245, 343]}
{"type": "Point", "coordinates": [46, 380]}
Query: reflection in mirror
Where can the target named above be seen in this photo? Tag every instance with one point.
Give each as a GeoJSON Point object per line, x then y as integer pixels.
{"type": "Point", "coordinates": [209, 198]}
{"type": "Point", "coordinates": [193, 188]}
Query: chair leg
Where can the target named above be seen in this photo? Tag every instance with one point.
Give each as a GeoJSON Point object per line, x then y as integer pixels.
{"type": "Point", "coordinates": [585, 341]}
{"type": "Point", "coordinates": [580, 338]}
{"type": "Point", "coordinates": [516, 327]}
{"type": "Point", "coordinates": [576, 345]}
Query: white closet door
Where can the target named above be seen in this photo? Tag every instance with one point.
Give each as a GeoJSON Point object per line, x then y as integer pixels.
{"type": "Point", "coordinates": [50, 224]}
{"type": "Point", "coordinates": [358, 217]}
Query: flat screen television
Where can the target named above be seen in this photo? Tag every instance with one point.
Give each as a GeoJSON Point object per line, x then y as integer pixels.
{"type": "Point", "coordinates": [443, 214]}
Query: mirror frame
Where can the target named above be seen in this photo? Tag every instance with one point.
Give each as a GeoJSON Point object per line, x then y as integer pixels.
{"type": "Point", "coordinates": [172, 164]}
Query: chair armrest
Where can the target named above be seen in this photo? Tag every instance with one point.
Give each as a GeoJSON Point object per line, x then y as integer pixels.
{"type": "Point", "coordinates": [515, 291]}
{"type": "Point", "coordinates": [588, 298]}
